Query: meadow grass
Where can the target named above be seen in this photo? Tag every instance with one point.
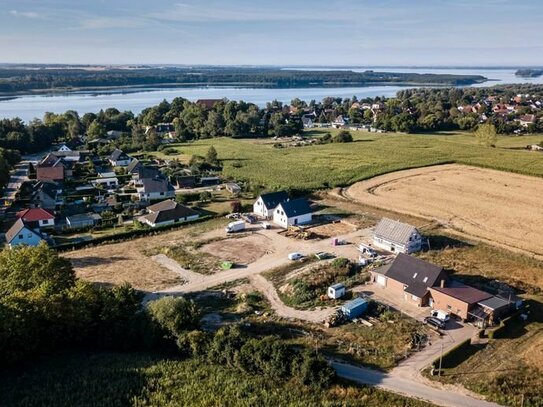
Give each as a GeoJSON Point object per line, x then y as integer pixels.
{"type": "Point", "coordinates": [139, 379]}
{"type": "Point", "coordinates": [340, 164]}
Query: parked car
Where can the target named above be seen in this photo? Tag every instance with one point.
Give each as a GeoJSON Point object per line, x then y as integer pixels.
{"type": "Point", "coordinates": [323, 256]}
{"type": "Point", "coordinates": [265, 225]}
{"type": "Point", "coordinates": [295, 256]}
{"type": "Point", "coordinates": [441, 315]}
{"type": "Point", "coordinates": [436, 323]}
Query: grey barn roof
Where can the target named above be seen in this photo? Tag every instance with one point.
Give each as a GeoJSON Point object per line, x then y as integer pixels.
{"type": "Point", "coordinates": [296, 207]}
{"type": "Point", "coordinates": [494, 303]}
{"type": "Point", "coordinates": [394, 231]}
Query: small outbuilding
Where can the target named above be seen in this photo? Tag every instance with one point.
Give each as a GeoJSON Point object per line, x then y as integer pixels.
{"type": "Point", "coordinates": [84, 220]}
{"type": "Point", "coordinates": [336, 291]}
{"type": "Point", "coordinates": [355, 308]}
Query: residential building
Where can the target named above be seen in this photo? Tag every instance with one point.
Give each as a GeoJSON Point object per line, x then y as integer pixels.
{"type": "Point", "coordinates": [340, 121]}
{"type": "Point", "coordinates": [457, 298]}
{"type": "Point", "coordinates": [37, 217]}
{"type": "Point", "coordinates": [395, 236]}
{"type": "Point", "coordinates": [526, 119]}
{"type": "Point", "coordinates": [155, 188]}
{"type": "Point", "coordinates": [307, 122]}
{"type": "Point", "coordinates": [47, 194]}
{"type": "Point", "coordinates": [411, 278]}
{"type": "Point", "coordinates": [51, 168]}
{"type": "Point", "coordinates": [168, 212]}
{"type": "Point", "coordinates": [21, 233]}
{"type": "Point", "coordinates": [291, 213]}
{"type": "Point", "coordinates": [119, 158]}
{"type": "Point", "coordinates": [266, 203]}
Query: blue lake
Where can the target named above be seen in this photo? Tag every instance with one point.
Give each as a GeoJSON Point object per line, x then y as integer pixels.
{"type": "Point", "coordinates": [28, 107]}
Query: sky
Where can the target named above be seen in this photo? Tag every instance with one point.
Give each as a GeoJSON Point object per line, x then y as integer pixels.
{"type": "Point", "coordinates": [273, 32]}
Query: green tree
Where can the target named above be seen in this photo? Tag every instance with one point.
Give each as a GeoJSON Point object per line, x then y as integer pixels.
{"type": "Point", "coordinates": [95, 130]}
{"type": "Point", "coordinates": [343, 137]}
{"type": "Point", "coordinates": [211, 156]}
{"type": "Point", "coordinates": [24, 268]}
{"type": "Point", "coordinates": [175, 315]}
{"type": "Point", "coordinates": [486, 135]}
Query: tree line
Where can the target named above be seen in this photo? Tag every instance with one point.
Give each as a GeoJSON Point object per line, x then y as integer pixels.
{"type": "Point", "coordinates": [45, 308]}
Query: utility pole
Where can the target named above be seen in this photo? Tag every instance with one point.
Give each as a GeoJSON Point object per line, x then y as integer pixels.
{"type": "Point", "coordinates": [440, 359]}
{"type": "Point", "coordinates": [522, 400]}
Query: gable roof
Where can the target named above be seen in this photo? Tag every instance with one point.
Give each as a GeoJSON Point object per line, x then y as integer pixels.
{"type": "Point", "coordinates": [296, 207]}
{"type": "Point", "coordinates": [117, 155]}
{"type": "Point", "coordinates": [156, 184]}
{"type": "Point", "coordinates": [134, 165]}
{"type": "Point", "coordinates": [417, 274]}
{"type": "Point", "coordinates": [394, 231]}
{"type": "Point", "coordinates": [272, 199]}
{"type": "Point", "coordinates": [162, 206]}
{"type": "Point", "coordinates": [16, 228]}
{"type": "Point", "coordinates": [49, 188]}
{"type": "Point", "coordinates": [35, 214]}
{"type": "Point", "coordinates": [179, 211]}
{"type": "Point", "coordinates": [51, 160]}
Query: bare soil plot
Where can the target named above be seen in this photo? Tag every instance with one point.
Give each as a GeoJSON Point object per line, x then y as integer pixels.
{"type": "Point", "coordinates": [498, 207]}
{"type": "Point", "coordinates": [243, 250]}
{"type": "Point", "coordinates": [333, 229]}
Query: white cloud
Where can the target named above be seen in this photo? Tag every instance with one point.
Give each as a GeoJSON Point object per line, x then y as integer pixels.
{"type": "Point", "coordinates": [25, 14]}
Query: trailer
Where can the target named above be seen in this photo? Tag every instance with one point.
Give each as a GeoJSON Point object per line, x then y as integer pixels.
{"type": "Point", "coordinates": [233, 227]}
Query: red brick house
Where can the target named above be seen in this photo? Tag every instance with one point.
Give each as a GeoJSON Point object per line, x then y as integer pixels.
{"type": "Point", "coordinates": [457, 299]}
{"type": "Point", "coordinates": [51, 168]}
{"type": "Point", "coordinates": [411, 278]}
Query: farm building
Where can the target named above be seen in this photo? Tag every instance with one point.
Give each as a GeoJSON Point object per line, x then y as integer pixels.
{"type": "Point", "coordinates": [37, 217]}
{"type": "Point", "coordinates": [233, 188]}
{"type": "Point", "coordinates": [84, 220]}
{"type": "Point", "coordinates": [395, 236]}
{"type": "Point", "coordinates": [355, 308]}
{"type": "Point", "coordinates": [458, 299]}
{"type": "Point", "coordinates": [20, 233]}
{"type": "Point", "coordinates": [119, 158]}
{"type": "Point", "coordinates": [491, 310]}
{"type": "Point", "coordinates": [336, 291]}
{"type": "Point", "coordinates": [292, 213]}
{"type": "Point", "coordinates": [266, 203]}
{"type": "Point", "coordinates": [167, 213]}
{"type": "Point", "coordinates": [411, 278]}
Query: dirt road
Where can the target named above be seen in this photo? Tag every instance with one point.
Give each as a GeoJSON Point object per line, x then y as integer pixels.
{"type": "Point", "coordinates": [408, 386]}
{"type": "Point", "coordinates": [269, 291]}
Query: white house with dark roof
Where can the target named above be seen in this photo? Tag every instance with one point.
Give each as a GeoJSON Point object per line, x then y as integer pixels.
{"type": "Point", "coordinates": [155, 188]}
{"type": "Point", "coordinates": [266, 203]}
{"type": "Point", "coordinates": [167, 213]}
{"type": "Point", "coordinates": [119, 158]}
{"type": "Point", "coordinates": [395, 236]}
{"type": "Point", "coordinates": [292, 213]}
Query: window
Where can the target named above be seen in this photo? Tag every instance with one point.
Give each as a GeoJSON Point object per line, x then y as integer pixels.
{"type": "Point", "coordinates": [20, 236]}
{"type": "Point", "coordinates": [415, 275]}
{"type": "Point", "coordinates": [162, 193]}
{"type": "Point", "coordinates": [425, 279]}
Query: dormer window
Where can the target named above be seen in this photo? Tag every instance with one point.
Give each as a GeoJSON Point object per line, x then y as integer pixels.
{"type": "Point", "coordinates": [415, 275]}
{"type": "Point", "coordinates": [425, 279]}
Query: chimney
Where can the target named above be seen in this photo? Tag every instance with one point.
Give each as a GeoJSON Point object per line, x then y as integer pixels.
{"type": "Point", "coordinates": [442, 283]}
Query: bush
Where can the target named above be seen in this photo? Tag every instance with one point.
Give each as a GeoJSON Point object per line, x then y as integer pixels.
{"type": "Point", "coordinates": [175, 315]}
{"type": "Point", "coordinates": [314, 371]}
{"type": "Point", "coordinates": [343, 137]}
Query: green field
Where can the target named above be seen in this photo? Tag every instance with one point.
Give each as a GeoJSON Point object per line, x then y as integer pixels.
{"type": "Point", "coordinates": [322, 166]}
{"type": "Point", "coordinates": [130, 379]}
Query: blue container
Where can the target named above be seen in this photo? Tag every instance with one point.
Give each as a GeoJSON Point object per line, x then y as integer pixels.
{"type": "Point", "coordinates": [355, 308]}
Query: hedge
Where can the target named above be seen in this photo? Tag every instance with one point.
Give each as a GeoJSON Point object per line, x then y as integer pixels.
{"type": "Point", "coordinates": [456, 355]}
{"type": "Point", "coordinates": [118, 237]}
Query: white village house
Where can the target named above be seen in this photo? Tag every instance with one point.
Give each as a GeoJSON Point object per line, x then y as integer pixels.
{"type": "Point", "coordinates": [119, 158]}
{"type": "Point", "coordinates": [292, 213]}
{"type": "Point", "coordinates": [167, 213]}
{"type": "Point", "coordinates": [266, 203]}
{"type": "Point", "coordinates": [395, 236]}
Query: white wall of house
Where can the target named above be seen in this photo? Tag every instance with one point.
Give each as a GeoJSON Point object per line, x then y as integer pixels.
{"type": "Point", "coordinates": [44, 223]}
{"type": "Point", "coordinates": [414, 245]}
{"type": "Point", "coordinates": [27, 237]}
{"type": "Point", "coordinates": [260, 209]}
{"type": "Point", "coordinates": [170, 222]}
{"type": "Point", "coordinates": [120, 163]}
{"type": "Point", "coordinates": [151, 196]}
{"type": "Point", "coordinates": [281, 219]}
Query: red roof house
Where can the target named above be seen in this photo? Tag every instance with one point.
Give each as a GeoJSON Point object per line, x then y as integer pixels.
{"type": "Point", "coordinates": [37, 216]}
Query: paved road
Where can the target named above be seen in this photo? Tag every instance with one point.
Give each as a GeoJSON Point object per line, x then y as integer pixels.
{"type": "Point", "coordinates": [408, 387]}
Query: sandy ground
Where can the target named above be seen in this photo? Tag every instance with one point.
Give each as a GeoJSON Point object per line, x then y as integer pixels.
{"type": "Point", "coordinates": [494, 206]}
{"type": "Point", "coordinates": [243, 250]}
{"type": "Point", "coordinates": [333, 229]}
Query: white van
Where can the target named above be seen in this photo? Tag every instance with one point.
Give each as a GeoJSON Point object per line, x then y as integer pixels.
{"type": "Point", "coordinates": [295, 256]}
{"type": "Point", "coordinates": [441, 315]}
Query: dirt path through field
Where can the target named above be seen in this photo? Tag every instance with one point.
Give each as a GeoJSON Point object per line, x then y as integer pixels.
{"type": "Point", "coordinates": [493, 206]}
{"type": "Point", "coordinates": [266, 287]}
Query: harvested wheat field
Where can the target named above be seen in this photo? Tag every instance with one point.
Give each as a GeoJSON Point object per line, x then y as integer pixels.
{"type": "Point", "coordinates": [498, 207]}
